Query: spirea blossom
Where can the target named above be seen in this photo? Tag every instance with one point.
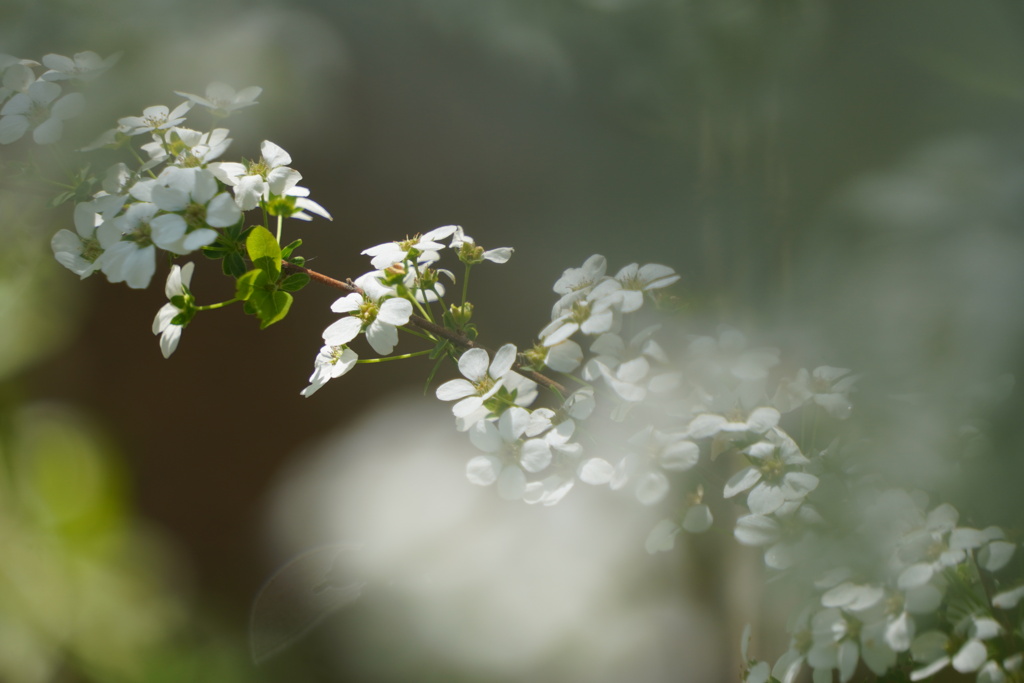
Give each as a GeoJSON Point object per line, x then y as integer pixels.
{"type": "Point", "coordinates": [377, 312]}
{"type": "Point", "coordinates": [482, 379]}
{"type": "Point", "coordinates": [221, 99]}
{"type": "Point", "coordinates": [173, 316]}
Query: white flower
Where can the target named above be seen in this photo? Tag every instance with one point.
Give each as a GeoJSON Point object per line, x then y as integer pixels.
{"type": "Point", "coordinates": [85, 66]}
{"type": "Point", "coordinates": [153, 119]}
{"type": "Point", "coordinates": [826, 386]}
{"type": "Point", "coordinates": [17, 75]}
{"type": "Point", "coordinates": [626, 290]}
{"type": "Point", "coordinates": [662, 537]}
{"type": "Point", "coordinates": [470, 253]}
{"type": "Point", "coordinates": [565, 356]}
{"type": "Point", "coordinates": [186, 147]}
{"type": "Point", "coordinates": [482, 380]}
{"type": "Point", "coordinates": [36, 110]}
{"type": "Point", "coordinates": [505, 459]}
{"type": "Point", "coordinates": [575, 283]}
{"type": "Point", "coordinates": [193, 206]}
{"type": "Point", "coordinates": [725, 369]}
{"type": "Point", "coordinates": [707, 425]}
{"type": "Point", "coordinates": [931, 647]}
{"type": "Point", "coordinates": [589, 317]}
{"type": "Point", "coordinates": [421, 249]}
{"type": "Point", "coordinates": [548, 491]}
{"type": "Point", "coordinates": [650, 452]}
{"type": "Point", "coordinates": [774, 473]}
{"type": "Point", "coordinates": [221, 99]}
{"type": "Point", "coordinates": [257, 180]}
{"type": "Point", "coordinates": [179, 303]}
{"type": "Point", "coordinates": [377, 312]}
{"type": "Point", "coordinates": [80, 251]}
{"type": "Point", "coordinates": [133, 258]}
{"type": "Point", "coordinates": [833, 648]}
{"type": "Point", "coordinates": [331, 362]}
{"type": "Point", "coordinates": [302, 204]}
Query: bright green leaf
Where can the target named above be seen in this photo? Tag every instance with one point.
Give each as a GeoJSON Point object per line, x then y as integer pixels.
{"type": "Point", "coordinates": [270, 306]}
{"type": "Point", "coordinates": [246, 284]}
{"type": "Point", "coordinates": [295, 282]}
{"type": "Point", "coordinates": [264, 251]}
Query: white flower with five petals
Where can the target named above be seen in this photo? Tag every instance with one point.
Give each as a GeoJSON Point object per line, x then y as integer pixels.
{"type": "Point", "coordinates": [256, 181]}
{"type": "Point", "coordinates": [483, 379]}
{"type": "Point", "coordinates": [377, 312]}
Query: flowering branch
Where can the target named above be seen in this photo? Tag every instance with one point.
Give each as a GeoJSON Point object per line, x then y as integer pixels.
{"type": "Point", "coordinates": [893, 565]}
{"type": "Point", "coordinates": [460, 340]}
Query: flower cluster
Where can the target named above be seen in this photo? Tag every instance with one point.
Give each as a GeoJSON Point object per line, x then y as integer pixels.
{"type": "Point", "coordinates": [381, 301]}
{"type": "Point", "coordinates": [914, 591]}
{"type": "Point", "coordinates": [181, 199]}
{"type": "Point", "coordinates": [686, 425]}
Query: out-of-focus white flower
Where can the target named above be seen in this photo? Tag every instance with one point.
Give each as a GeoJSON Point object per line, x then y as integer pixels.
{"type": "Point", "coordinates": [826, 386]}
{"type": "Point", "coordinates": [652, 451]}
{"type": "Point", "coordinates": [221, 99]}
{"type": "Point", "coordinates": [153, 119]}
{"type": "Point", "coordinates": [759, 421]}
{"type": "Point", "coordinates": [38, 109]}
{"type": "Point", "coordinates": [775, 473]}
{"type": "Point", "coordinates": [84, 66]}
{"type": "Point", "coordinates": [662, 537]}
{"type": "Point", "coordinates": [506, 458]}
{"type": "Point", "coordinates": [17, 75]}
{"type": "Point", "coordinates": [80, 251]}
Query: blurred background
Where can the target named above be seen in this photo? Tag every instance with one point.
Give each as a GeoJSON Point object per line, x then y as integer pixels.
{"type": "Point", "coordinates": [841, 180]}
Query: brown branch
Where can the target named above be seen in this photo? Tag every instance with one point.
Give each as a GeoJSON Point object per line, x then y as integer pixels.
{"type": "Point", "coordinates": [455, 338]}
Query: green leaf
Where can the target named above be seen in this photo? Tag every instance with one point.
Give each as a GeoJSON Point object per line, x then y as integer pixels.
{"type": "Point", "coordinates": [234, 265]}
{"type": "Point", "coordinates": [270, 306]}
{"type": "Point", "coordinates": [287, 251]}
{"type": "Point", "coordinates": [247, 283]}
{"type": "Point", "coordinates": [264, 251]}
{"type": "Point", "coordinates": [295, 282]}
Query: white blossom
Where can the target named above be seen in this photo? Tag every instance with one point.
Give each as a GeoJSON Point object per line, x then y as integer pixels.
{"type": "Point", "coordinates": [176, 289]}
{"type": "Point", "coordinates": [420, 249]}
{"type": "Point", "coordinates": [256, 181]}
{"type": "Point", "coordinates": [38, 109]}
{"type": "Point", "coordinates": [377, 312]}
{"type": "Point", "coordinates": [84, 66]}
{"type": "Point", "coordinates": [483, 379]}
{"type": "Point", "coordinates": [221, 99]}
{"type": "Point", "coordinates": [331, 362]}
{"type": "Point", "coordinates": [80, 251]}
{"type": "Point", "coordinates": [153, 119]}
